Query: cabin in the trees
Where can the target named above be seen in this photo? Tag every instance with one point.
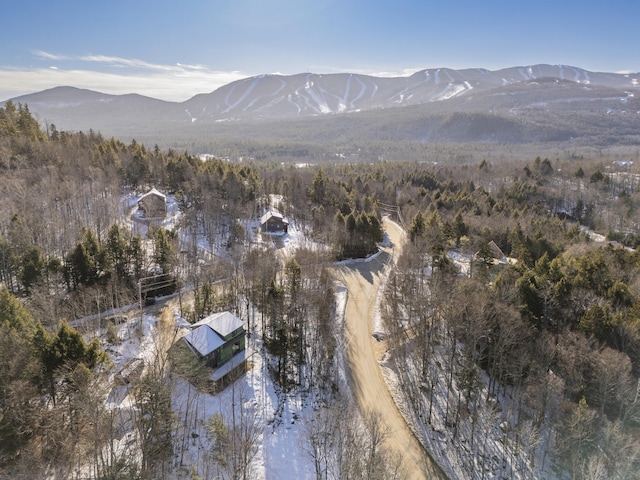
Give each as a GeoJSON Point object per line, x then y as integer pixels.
{"type": "Point", "coordinates": [489, 258]}
{"type": "Point", "coordinates": [495, 252]}
{"type": "Point", "coordinates": [153, 204]}
{"type": "Point", "coordinates": [273, 222]}
{"type": "Point", "coordinates": [219, 342]}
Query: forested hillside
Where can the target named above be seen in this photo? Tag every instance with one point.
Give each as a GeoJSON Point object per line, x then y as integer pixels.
{"type": "Point", "coordinates": [511, 321]}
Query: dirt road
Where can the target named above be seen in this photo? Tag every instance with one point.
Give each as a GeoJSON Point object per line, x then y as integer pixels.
{"type": "Point", "coordinates": [362, 281]}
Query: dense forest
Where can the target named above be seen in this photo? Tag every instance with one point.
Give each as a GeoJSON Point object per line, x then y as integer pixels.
{"type": "Point", "coordinates": [538, 339]}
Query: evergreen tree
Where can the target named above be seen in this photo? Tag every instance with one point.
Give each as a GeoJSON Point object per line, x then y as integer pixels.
{"type": "Point", "coordinates": [460, 228]}
{"type": "Point", "coordinates": [417, 227]}
{"type": "Point", "coordinates": [14, 316]}
{"type": "Point", "coordinates": [32, 267]}
{"type": "Point", "coordinates": [318, 188]}
{"type": "Point", "coordinates": [164, 249]}
{"type": "Point", "coordinates": [20, 376]}
{"type": "Point", "coordinates": [68, 348]}
{"type": "Point", "coordinates": [80, 268]}
{"type": "Point", "coordinates": [28, 126]}
{"type": "Point", "coordinates": [135, 257]}
{"type": "Point", "coordinates": [88, 263]}
{"type": "Point", "coordinates": [117, 251]}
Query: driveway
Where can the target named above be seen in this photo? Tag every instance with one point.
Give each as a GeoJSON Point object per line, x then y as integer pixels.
{"type": "Point", "coordinates": [363, 281]}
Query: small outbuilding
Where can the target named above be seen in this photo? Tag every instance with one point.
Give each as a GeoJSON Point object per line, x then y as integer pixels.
{"type": "Point", "coordinates": [153, 204]}
{"type": "Point", "coordinates": [273, 222]}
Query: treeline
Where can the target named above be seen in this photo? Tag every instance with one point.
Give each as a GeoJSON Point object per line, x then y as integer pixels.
{"type": "Point", "coordinates": [65, 253]}
{"type": "Point", "coordinates": [44, 383]}
{"type": "Point", "coordinates": [65, 196]}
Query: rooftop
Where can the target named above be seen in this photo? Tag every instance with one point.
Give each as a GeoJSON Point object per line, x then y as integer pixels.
{"type": "Point", "coordinates": [223, 323]}
{"type": "Point", "coordinates": [272, 214]}
{"type": "Point", "coordinates": [204, 340]}
{"type": "Point", "coordinates": [154, 192]}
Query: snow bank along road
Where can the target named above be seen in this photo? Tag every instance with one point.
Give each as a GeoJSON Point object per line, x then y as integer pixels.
{"type": "Point", "coordinates": [363, 280]}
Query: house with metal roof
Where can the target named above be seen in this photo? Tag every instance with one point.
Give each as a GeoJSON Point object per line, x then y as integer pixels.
{"type": "Point", "coordinates": [216, 339]}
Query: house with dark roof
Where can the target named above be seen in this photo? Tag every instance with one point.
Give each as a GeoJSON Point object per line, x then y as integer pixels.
{"type": "Point", "coordinates": [273, 222]}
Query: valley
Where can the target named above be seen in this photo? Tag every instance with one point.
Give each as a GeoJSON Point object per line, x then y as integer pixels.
{"type": "Point", "coordinates": [550, 110]}
{"type": "Point", "coordinates": [456, 309]}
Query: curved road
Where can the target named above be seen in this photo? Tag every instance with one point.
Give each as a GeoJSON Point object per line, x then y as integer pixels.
{"type": "Point", "coordinates": [363, 280]}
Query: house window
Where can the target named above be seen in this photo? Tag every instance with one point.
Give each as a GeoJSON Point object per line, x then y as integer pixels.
{"type": "Point", "coordinates": [235, 349]}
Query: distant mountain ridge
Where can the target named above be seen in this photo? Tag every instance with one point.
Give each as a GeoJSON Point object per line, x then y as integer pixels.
{"type": "Point", "coordinates": [306, 95]}
{"type": "Point", "coordinates": [315, 94]}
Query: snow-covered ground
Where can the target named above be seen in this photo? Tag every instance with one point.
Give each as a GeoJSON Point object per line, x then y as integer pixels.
{"type": "Point", "coordinates": [281, 443]}
{"type": "Point", "coordinates": [280, 453]}
{"type": "Point", "coordinates": [279, 447]}
{"type": "Point", "coordinates": [495, 447]}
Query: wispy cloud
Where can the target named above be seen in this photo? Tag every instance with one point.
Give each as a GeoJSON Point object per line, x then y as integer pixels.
{"type": "Point", "coordinates": [128, 62]}
{"type": "Point", "coordinates": [47, 55]}
{"type": "Point", "coordinates": [406, 72]}
{"type": "Point", "coordinates": [119, 75]}
{"type": "Point", "coordinates": [123, 75]}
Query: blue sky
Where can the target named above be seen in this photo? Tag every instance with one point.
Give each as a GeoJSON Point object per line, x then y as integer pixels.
{"type": "Point", "coordinates": [176, 49]}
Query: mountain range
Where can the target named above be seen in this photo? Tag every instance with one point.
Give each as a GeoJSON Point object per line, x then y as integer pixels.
{"type": "Point", "coordinates": [533, 104]}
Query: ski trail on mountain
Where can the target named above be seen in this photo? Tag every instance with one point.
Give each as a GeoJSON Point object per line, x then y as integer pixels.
{"type": "Point", "coordinates": [246, 93]}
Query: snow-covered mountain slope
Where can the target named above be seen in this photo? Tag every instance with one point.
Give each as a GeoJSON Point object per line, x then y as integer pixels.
{"type": "Point", "coordinates": [530, 104]}
{"type": "Point", "coordinates": [277, 96]}
{"type": "Point", "coordinates": [313, 94]}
